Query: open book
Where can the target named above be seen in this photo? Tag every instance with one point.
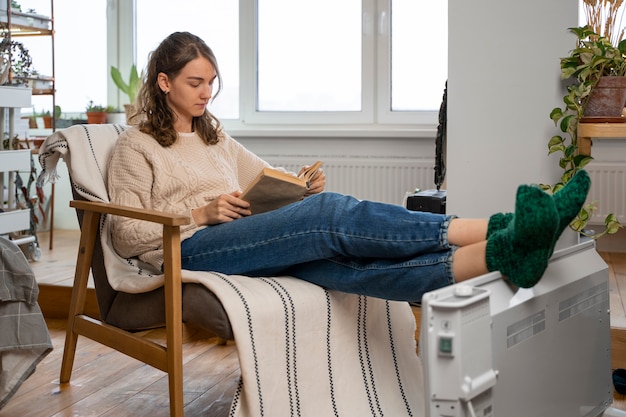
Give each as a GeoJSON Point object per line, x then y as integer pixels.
{"type": "Point", "coordinates": [272, 189]}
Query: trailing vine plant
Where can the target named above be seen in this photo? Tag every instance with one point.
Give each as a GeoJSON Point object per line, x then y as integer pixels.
{"type": "Point", "coordinates": [15, 55]}
{"type": "Point", "coordinates": [593, 57]}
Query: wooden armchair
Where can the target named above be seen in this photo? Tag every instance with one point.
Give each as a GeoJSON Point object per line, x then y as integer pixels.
{"type": "Point", "coordinates": [166, 358]}
{"type": "Point", "coordinates": [122, 314]}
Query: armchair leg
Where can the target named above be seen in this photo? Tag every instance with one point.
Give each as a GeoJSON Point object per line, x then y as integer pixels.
{"type": "Point", "coordinates": [79, 291]}
{"type": "Point", "coordinates": [69, 352]}
{"type": "Point", "coordinates": [173, 317]}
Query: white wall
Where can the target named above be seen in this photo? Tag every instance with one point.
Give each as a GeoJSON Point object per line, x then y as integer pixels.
{"type": "Point", "coordinates": [504, 80]}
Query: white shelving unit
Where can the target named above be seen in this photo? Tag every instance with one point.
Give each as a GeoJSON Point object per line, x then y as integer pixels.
{"type": "Point", "coordinates": [19, 25]}
{"type": "Point", "coordinates": [13, 218]}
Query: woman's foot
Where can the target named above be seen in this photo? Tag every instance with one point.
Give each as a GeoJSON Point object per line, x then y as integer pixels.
{"type": "Point", "coordinates": [521, 250]}
{"type": "Point", "coordinates": [568, 201]}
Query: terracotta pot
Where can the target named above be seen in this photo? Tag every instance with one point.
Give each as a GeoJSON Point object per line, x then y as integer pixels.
{"type": "Point", "coordinates": [608, 98]}
{"type": "Point", "coordinates": [96, 118]}
{"type": "Point", "coordinates": [47, 122]}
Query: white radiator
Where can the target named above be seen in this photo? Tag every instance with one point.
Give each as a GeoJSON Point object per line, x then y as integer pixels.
{"type": "Point", "coordinates": [369, 178]}
{"type": "Point", "coordinates": [608, 189]}
{"type": "Point", "coordinates": [389, 179]}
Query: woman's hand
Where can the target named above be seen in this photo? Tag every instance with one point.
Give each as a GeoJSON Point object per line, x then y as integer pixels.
{"type": "Point", "coordinates": [317, 182]}
{"type": "Point", "coordinates": [225, 208]}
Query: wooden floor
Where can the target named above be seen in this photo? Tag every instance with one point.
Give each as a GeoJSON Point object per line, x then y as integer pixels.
{"type": "Point", "coordinates": [107, 383]}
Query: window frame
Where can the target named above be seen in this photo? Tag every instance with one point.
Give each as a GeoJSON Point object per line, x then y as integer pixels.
{"type": "Point", "coordinates": [376, 79]}
{"type": "Point", "coordinates": [374, 120]}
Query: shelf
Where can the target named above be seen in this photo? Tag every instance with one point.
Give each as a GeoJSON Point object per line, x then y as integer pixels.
{"type": "Point", "coordinates": [26, 24]}
{"type": "Point", "coordinates": [15, 96]}
{"type": "Point", "coordinates": [14, 220]}
{"type": "Point", "coordinates": [589, 131]}
{"type": "Point", "coordinates": [18, 160]}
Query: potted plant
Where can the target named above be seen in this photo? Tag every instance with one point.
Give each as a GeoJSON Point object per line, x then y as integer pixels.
{"type": "Point", "coordinates": [593, 58]}
{"type": "Point", "coordinates": [96, 114]}
{"type": "Point", "coordinates": [130, 88]}
{"type": "Point", "coordinates": [47, 119]}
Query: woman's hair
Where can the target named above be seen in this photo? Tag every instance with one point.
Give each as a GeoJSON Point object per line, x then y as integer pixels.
{"type": "Point", "coordinates": [156, 117]}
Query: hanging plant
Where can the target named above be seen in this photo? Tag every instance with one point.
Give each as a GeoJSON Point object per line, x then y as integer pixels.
{"type": "Point", "coordinates": [15, 59]}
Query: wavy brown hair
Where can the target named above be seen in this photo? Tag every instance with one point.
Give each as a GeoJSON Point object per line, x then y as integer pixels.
{"type": "Point", "coordinates": [156, 117]}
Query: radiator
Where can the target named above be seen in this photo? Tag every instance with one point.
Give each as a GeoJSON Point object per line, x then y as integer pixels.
{"type": "Point", "coordinates": [608, 189]}
{"type": "Point", "coordinates": [390, 179]}
{"type": "Point", "coordinates": [386, 180]}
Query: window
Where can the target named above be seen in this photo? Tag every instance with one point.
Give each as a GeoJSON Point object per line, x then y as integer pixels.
{"type": "Point", "coordinates": [364, 63]}
{"type": "Point", "coordinates": [216, 22]}
{"type": "Point", "coordinates": [80, 53]}
{"type": "Point", "coordinates": [324, 62]}
{"type": "Point", "coordinates": [419, 54]}
{"type": "Point", "coordinates": [354, 62]}
{"type": "Point", "coordinates": [309, 55]}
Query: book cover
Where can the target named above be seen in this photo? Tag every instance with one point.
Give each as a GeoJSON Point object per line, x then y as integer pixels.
{"type": "Point", "coordinates": [272, 189]}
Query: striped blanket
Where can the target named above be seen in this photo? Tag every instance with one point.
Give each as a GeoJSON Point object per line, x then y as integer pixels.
{"type": "Point", "coordinates": [303, 350]}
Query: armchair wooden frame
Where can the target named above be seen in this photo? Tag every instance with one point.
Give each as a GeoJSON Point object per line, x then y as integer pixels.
{"type": "Point", "coordinates": [167, 358]}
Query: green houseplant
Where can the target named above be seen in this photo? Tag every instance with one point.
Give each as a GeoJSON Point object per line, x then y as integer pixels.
{"type": "Point", "coordinates": [96, 113]}
{"type": "Point", "coordinates": [594, 57]}
{"type": "Point", "coordinates": [130, 88]}
{"type": "Point", "coordinates": [46, 116]}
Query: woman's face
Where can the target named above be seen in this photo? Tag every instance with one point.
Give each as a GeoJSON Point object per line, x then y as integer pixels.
{"type": "Point", "coordinates": [189, 92]}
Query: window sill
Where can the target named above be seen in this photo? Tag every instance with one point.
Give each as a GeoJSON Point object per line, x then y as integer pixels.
{"type": "Point", "coordinates": [328, 131]}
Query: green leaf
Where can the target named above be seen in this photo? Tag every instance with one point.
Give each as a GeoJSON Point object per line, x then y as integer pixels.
{"type": "Point", "coordinates": [556, 114]}
{"type": "Point", "coordinates": [570, 151]}
{"type": "Point", "coordinates": [117, 79]}
{"type": "Point", "coordinates": [582, 160]}
{"type": "Point", "coordinates": [577, 224]}
{"type": "Point", "coordinates": [622, 46]}
{"type": "Point", "coordinates": [555, 141]}
{"type": "Point", "coordinates": [556, 187]}
{"type": "Point", "coordinates": [567, 122]}
{"type": "Point", "coordinates": [556, 148]}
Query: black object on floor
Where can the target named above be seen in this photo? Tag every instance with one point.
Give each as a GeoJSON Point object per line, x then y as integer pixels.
{"type": "Point", "coordinates": [619, 380]}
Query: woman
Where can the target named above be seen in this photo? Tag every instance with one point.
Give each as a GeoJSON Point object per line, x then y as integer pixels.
{"type": "Point", "coordinates": [179, 159]}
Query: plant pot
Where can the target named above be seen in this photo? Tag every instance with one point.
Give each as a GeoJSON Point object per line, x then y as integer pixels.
{"type": "Point", "coordinates": [96, 117]}
{"type": "Point", "coordinates": [608, 97]}
{"type": "Point", "coordinates": [47, 122]}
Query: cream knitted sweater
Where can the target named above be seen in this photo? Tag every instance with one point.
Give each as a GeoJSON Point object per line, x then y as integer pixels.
{"type": "Point", "coordinates": [176, 179]}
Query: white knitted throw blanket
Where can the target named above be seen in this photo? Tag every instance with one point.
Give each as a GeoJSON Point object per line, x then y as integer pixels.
{"type": "Point", "coordinates": [303, 350]}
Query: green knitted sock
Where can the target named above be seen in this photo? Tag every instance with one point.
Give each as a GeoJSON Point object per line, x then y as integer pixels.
{"type": "Point", "coordinates": [497, 222]}
{"type": "Point", "coordinates": [521, 250]}
{"type": "Point", "coordinates": [570, 199]}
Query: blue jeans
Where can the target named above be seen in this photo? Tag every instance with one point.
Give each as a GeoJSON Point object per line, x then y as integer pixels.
{"type": "Point", "coordinates": [334, 241]}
